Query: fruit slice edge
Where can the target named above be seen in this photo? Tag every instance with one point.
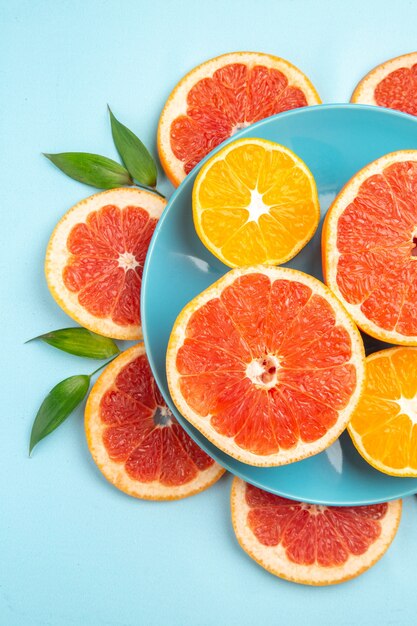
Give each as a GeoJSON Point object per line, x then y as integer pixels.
{"type": "Point", "coordinates": [378, 396]}
{"type": "Point", "coordinates": [176, 104]}
{"type": "Point", "coordinates": [115, 471]}
{"type": "Point", "coordinates": [380, 87]}
{"type": "Point", "coordinates": [227, 444]}
{"type": "Point", "coordinates": [331, 254]}
{"type": "Point", "coordinates": [58, 257]}
{"type": "Point", "coordinates": [268, 227]}
{"type": "Point", "coordinates": [275, 560]}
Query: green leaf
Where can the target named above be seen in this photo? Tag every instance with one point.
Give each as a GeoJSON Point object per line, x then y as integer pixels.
{"type": "Point", "coordinates": [133, 153]}
{"type": "Point", "coordinates": [92, 169]}
{"type": "Point", "coordinates": [81, 342]}
{"type": "Point", "coordinates": [57, 406]}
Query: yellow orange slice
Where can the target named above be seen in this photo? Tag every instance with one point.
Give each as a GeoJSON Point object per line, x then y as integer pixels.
{"type": "Point", "coordinates": [135, 440]}
{"type": "Point", "coordinates": [267, 364]}
{"type": "Point", "coordinates": [384, 425]}
{"type": "Point", "coordinates": [369, 247]}
{"type": "Point", "coordinates": [221, 96]}
{"type": "Point", "coordinates": [255, 202]}
{"type": "Point", "coordinates": [95, 258]}
{"type": "Point", "coordinates": [309, 543]}
{"type": "Point", "coordinates": [392, 84]}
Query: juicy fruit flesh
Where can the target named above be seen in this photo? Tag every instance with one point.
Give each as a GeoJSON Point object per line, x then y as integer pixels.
{"type": "Point", "coordinates": [107, 255]}
{"type": "Point", "coordinates": [267, 364]}
{"type": "Point", "coordinates": [141, 433]}
{"type": "Point", "coordinates": [386, 416]}
{"type": "Point", "coordinates": [234, 97]}
{"type": "Point", "coordinates": [376, 239]}
{"type": "Point", "coordinates": [256, 204]}
{"type": "Point", "coordinates": [313, 534]}
{"type": "Point", "coordinates": [398, 90]}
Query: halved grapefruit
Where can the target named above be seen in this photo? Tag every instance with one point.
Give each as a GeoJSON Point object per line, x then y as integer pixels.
{"type": "Point", "coordinates": [384, 425]}
{"type": "Point", "coordinates": [369, 248]}
{"type": "Point", "coordinates": [308, 543]}
{"type": "Point", "coordinates": [95, 257]}
{"type": "Point", "coordinates": [135, 440]}
{"type": "Point", "coordinates": [221, 96]}
{"type": "Point", "coordinates": [255, 201]}
{"type": "Point", "coordinates": [267, 364]}
{"type": "Point", "coordinates": [392, 84]}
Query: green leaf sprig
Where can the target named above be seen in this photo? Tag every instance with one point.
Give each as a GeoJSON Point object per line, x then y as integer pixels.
{"type": "Point", "coordinates": [133, 153]}
{"type": "Point", "coordinates": [104, 173]}
{"type": "Point", "coordinates": [81, 342]}
{"type": "Point", "coordinates": [91, 169]}
{"type": "Point", "coordinates": [57, 406]}
{"type": "Point", "coordinates": [64, 398]}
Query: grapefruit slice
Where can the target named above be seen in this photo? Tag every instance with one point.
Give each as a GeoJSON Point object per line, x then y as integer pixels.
{"type": "Point", "coordinates": [254, 202]}
{"type": "Point", "coordinates": [308, 543]}
{"type": "Point", "coordinates": [384, 425]}
{"type": "Point", "coordinates": [267, 364]}
{"type": "Point", "coordinates": [135, 440]}
{"type": "Point", "coordinates": [392, 84]}
{"type": "Point", "coordinates": [95, 257]}
{"type": "Point", "coordinates": [221, 96]}
{"type": "Point", "coordinates": [369, 247]}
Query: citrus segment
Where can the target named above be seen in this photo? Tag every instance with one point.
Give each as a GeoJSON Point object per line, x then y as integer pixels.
{"type": "Point", "coordinates": [255, 202]}
{"type": "Point", "coordinates": [308, 543]}
{"type": "Point", "coordinates": [135, 440]}
{"type": "Point", "coordinates": [392, 84]}
{"type": "Point", "coordinates": [266, 364]}
{"type": "Point", "coordinates": [95, 258]}
{"type": "Point", "coordinates": [220, 97]}
{"type": "Point", "coordinates": [384, 425]}
{"type": "Point", "coordinates": [369, 247]}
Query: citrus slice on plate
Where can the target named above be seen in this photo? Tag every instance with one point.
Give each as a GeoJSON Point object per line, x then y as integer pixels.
{"type": "Point", "coordinates": [95, 258]}
{"type": "Point", "coordinates": [384, 425]}
{"type": "Point", "coordinates": [254, 202]}
{"type": "Point", "coordinates": [135, 440]}
{"type": "Point", "coordinates": [369, 247]}
{"type": "Point", "coordinates": [267, 364]}
{"type": "Point", "coordinates": [221, 96]}
{"type": "Point", "coordinates": [309, 543]}
{"type": "Point", "coordinates": [392, 84]}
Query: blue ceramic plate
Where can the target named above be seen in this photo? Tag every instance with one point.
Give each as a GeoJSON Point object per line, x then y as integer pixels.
{"type": "Point", "coordinates": [335, 141]}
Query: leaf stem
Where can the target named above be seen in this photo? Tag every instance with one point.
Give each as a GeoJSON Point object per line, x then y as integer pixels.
{"type": "Point", "coordinates": [104, 365]}
{"type": "Point", "coordinates": [152, 189]}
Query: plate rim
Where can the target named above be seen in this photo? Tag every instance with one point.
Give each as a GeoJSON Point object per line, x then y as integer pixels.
{"type": "Point", "coordinates": [224, 462]}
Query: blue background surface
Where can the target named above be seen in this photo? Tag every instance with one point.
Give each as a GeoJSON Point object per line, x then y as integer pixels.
{"type": "Point", "coordinates": [73, 550]}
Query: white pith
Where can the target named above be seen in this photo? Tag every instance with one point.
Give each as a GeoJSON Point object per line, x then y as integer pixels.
{"type": "Point", "coordinates": [165, 413]}
{"type": "Point", "coordinates": [257, 206]}
{"type": "Point", "coordinates": [258, 374]}
{"type": "Point", "coordinates": [57, 255]}
{"type": "Point", "coordinates": [177, 102]}
{"type": "Point", "coordinates": [238, 127]}
{"type": "Point", "coordinates": [202, 423]}
{"type": "Point", "coordinates": [114, 471]}
{"type": "Point", "coordinates": [332, 254]}
{"type": "Point", "coordinates": [364, 91]}
{"type": "Point", "coordinates": [127, 261]}
{"type": "Point", "coordinates": [275, 560]}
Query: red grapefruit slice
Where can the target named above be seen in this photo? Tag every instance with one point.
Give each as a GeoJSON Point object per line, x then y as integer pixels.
{"type": "Point", "coordinates": [221, 96]}
{"type": "Point", "coordinates": [135, 440]}
{"type": "Point", "coordinates": [95, 258]}
{"type": "Point", "coordinates": [369, 247]}
{"type": "Point", "coordinates": [392, 84]}
{"type": "Point", "coordinates": [309, 543]}
{"type": "Point", "coordinates": [267, 364]}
